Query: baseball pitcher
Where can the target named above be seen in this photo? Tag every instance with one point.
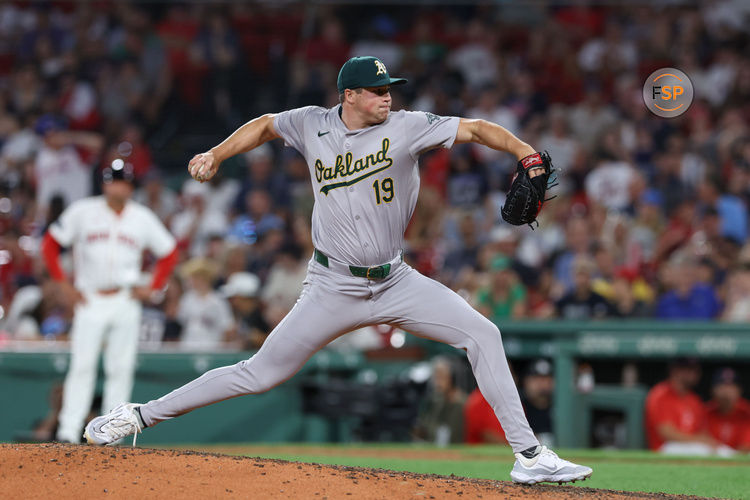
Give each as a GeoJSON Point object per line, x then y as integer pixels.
{"type": "Point", "coordinates": [363, 167]}
{"type": "Point", "coordinates": [108, 235]}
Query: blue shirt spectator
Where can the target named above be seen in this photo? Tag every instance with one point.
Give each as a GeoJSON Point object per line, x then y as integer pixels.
{"type": "Point", "coordinates": [701, 302]}
{"type": "Point", "coordinates": [733, 215]}
{"type": "Point", "coordinates": [730, 208]}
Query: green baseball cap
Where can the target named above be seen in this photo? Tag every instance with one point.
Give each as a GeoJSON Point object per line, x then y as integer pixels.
{"type": "Point", "coordinates": [365, 71]}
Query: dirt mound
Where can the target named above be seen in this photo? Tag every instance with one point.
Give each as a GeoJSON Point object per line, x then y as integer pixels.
{"type": "Point", "coordinates": [63, 471]}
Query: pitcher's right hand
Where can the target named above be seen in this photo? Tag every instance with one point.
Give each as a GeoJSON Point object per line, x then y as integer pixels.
{"type": "Point", "coordinates": [203, 166]}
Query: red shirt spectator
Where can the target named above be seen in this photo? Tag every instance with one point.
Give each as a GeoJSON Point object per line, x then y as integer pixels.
{"type": "Point", "coordinates": [673, 411]}
{"type": "Point", "coordinates": [482, 425]}
{"type": "Point", "coordinates": [733, 428]}
{"type": "Point", "coordinates": [728, 414]}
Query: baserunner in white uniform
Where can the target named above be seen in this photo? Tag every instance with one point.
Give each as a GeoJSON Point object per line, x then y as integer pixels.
{"type": "Point", "coordinates": [108, 235]}
{"type": "Point", "coordinates": [363, 166]}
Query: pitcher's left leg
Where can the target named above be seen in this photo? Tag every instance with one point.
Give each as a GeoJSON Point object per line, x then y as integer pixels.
{"type": "Point", "coordinates": [424, 307]}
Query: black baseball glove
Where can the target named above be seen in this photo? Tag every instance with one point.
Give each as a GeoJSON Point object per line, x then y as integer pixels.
{"type": "Point", "coordinates": [527, 194]}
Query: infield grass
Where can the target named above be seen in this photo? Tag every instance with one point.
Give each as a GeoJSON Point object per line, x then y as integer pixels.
{"type": "Point", "coordinates": [616, 470]}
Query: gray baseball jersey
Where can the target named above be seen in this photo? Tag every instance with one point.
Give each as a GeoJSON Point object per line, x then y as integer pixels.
{"type": "Point", "coordinates": [366, 184]}
{"type": "Point", "coordinates": [365, 181]}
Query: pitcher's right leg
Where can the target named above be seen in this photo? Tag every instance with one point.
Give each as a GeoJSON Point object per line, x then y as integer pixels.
{"type": "Point", "coordinates": [321, 314]}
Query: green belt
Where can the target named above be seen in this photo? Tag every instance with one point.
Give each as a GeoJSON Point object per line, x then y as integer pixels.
{"type": "Point", "coordinates": [375, 272]}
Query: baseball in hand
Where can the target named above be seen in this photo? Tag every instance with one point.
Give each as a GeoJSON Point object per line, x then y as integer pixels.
{"type": "Point", "coordinates": [200, 167]}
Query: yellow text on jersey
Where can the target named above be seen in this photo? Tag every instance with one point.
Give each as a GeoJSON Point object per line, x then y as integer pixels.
{"type": "Point", "coordinates": [346, 166]}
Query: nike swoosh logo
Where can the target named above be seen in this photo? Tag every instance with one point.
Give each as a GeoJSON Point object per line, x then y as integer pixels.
{"type": "Point", "coordinates": [544, 467]}
{"type": "Point", "coordinates": [321, 134]}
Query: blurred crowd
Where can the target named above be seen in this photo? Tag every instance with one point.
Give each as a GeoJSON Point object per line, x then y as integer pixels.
{"type": "Point", "coordinates": [650, 218]}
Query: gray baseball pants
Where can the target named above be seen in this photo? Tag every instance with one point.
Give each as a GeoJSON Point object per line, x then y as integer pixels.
{"type": "Point", "coordinates": [332, 304]}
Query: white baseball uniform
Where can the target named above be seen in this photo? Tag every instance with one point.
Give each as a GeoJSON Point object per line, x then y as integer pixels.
{"type": "Point", "coordinates": [107, 254]}
{"type": "Point", "coordinates": [366, 184]}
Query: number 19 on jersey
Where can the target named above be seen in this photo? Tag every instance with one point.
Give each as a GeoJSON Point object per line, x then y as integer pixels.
{"type": "Point", "coordinates": [383, 190]}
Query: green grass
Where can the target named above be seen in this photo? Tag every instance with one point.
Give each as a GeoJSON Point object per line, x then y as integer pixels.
{"type": "Point", "coordinates": [618, 470]}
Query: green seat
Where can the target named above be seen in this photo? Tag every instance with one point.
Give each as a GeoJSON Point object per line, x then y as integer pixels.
{"type": "Point", "coordinates": [628, 400]}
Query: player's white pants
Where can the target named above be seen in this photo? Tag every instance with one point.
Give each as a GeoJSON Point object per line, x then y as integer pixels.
{"type": "Point", "coordinates": [110, 322]}
{"type": "Point", "coordinates": [332, 304]}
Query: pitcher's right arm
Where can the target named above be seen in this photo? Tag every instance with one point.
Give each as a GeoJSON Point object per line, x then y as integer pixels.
{"type": "Point", "coordinates": [203, 166]}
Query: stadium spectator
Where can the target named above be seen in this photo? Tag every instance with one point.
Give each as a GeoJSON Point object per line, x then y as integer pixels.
{"type": "Point", "coordinates": [19, 145]}
{"type": "Point", "coordinates": [557, 139]}
{"type": "Point", "coordinates": [731, 210]}
{"type": "Point", "coordinates": [59, 168]}
{"type": "Point", "coordinates": [199, 220]}
{"type": "Point", "coordinates": [284, 283]}
{"type": "Point", "coordinates": [475, 59]}
{"type": "Point", "coordinates": [505, 297]}
{"type": "Point", "coordinates": [737, 308]}
{"type": "Point", "coordinates": [646, 226]}
{"type": "Point", "coordinates": [423, 235]}
{"type": "Point", "coordinates": [612, 51]}
{"type": "Point", "coordinates": [464, 258]}
{"type": "Point", "coordinates": [250, 328]}
{"type": "Point", "coordinates": [260, 209]}
{"type": "Point", "coordinates": [223, 193]}
{"type": "Point", "coordinates": [687, 298]}
{"type": "Point", "coordinates": [675, 416]}
{"type": "Point", "coordinates": [631, 295]}
{"type": "Point", "coordinates": [467, 183]}
{"type": "Point", "coordinates": [39, 312]}
{"type": "Point", "coordinates": [582, 302]}
{"type": "Point", "coordinates": [591, 117]}
{"type": "Point", "coordinates": [156, 196]}
{"type": "Point", "coordinates": [77, 99]}
{"type": "Point", "coordinates": [728, 414]}
{"type": "Point", "coordinates": [261, 175]}
{"type": "Point", "coordinates": [489, 107]}
{"type": "Point", "coordinates": [609, 182]}
{"type": "Point", "coordinates": [172, 329]}
{"type": "Point", "coordinates": [537, 387]}
{"type": "Point", "coordinates": [205, 315]}
{"type": "Point", "coordinates": [578, 240]}
{"type": "Point", "coordinates": [540, 303]}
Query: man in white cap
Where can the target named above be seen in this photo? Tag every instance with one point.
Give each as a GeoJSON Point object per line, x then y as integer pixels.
{"type": "Point", "coordinates": [250, 327]}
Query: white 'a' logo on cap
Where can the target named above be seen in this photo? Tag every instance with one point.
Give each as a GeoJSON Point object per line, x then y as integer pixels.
{"type": "Point", "coordinates": [381, 68]}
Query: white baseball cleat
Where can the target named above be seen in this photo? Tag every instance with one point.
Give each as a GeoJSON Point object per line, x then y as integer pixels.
{"type": "Point", "coordinates": [115, 425]}
{"type": "Point", "coordinates": [546, 466]}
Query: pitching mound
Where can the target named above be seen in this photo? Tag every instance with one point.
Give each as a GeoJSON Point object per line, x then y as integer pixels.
{"type": "Point", "coordinates": [79, 471]}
